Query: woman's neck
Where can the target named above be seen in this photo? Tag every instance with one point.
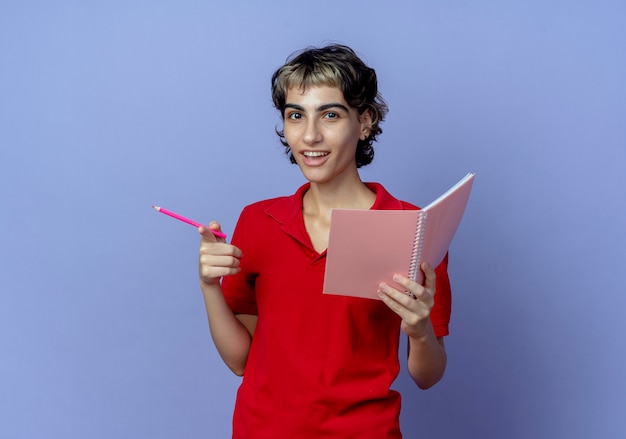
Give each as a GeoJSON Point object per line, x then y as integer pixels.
{"type": "Point", "coordinates": [321, 198]}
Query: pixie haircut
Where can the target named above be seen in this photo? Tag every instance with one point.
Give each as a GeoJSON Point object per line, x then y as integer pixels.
{"type": "Point", "coordinates": [334, 66]}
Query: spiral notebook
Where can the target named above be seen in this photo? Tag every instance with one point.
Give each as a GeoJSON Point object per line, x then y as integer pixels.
{"type": "Point", "coordinates": [367, 247]}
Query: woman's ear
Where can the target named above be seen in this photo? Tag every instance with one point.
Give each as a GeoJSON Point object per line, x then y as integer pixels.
{"type": "Point", "coordinates": [366, 123]}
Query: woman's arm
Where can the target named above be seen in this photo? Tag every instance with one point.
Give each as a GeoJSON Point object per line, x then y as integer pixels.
{"type": "Point", "coordinates": [231, 334]}
{"type": "Point", "coordinates": [427, 360]}
{"type": "Point", "coordinates": [427, 357]}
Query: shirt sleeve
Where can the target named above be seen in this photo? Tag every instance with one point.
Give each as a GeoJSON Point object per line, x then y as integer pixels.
{"type": "Point", "coordinates": [440, 314]}
{"type": "Point", "coordinates": [239, 289]}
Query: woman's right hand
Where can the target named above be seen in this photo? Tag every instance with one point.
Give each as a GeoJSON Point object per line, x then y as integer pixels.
{"type": "Point", "coordinates": [217, 258]}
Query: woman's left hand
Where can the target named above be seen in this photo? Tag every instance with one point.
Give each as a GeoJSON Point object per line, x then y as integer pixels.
{"type": "Point", "coordinates": [413, 308]}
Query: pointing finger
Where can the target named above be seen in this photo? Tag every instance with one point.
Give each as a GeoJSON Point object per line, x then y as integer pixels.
{"type": "Point", "coordinates": [212, 232]}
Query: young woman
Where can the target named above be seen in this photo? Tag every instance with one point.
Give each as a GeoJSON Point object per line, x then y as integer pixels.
{"type": "Point", "coordinates": [316, 365]}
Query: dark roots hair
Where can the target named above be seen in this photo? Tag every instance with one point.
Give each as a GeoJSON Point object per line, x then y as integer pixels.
{"type": "Point", "coordinates": [334, 66]}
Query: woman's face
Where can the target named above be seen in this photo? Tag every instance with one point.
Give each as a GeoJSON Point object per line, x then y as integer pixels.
{"type": "Point", "coordinates": [322, 131]}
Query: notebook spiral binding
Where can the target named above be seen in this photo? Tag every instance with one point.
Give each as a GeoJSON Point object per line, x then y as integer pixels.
{"type": "Point", "coordinates": [416, 254]}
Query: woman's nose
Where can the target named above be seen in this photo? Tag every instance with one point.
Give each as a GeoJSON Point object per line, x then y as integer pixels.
{"type": "Point", "coordinates": [312, 133]}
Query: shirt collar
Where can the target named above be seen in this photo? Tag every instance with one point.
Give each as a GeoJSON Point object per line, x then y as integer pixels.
{"type": "Point", "coordinates": [288, 210]}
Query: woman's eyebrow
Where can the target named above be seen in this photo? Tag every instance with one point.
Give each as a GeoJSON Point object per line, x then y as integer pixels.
{"type": "Point", "coordinates": [333, 105]}
{"type": "Point", "coordinates": [294, 106]}
{"type": "Point", "coordinates": [320, 108]}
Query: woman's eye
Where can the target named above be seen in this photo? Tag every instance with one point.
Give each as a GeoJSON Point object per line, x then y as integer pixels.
{"type": "Point", "coordinates": [294, 116]}
{"type": "Point", "coordinates": [331, 115]}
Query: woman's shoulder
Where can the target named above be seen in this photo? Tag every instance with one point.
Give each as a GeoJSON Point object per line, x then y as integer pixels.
{"type": "Point", "coordinates": [386, 201]}
{"type": "Point", "coordinates": [408, 206]}
{"type": "Point", "coordinates": [264, 204]}
{"type": "Point", "coordinates": [280, 205]}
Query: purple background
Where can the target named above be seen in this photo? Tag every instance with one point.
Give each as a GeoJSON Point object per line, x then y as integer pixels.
{"type": "Point", "coordinates": [109, 107]}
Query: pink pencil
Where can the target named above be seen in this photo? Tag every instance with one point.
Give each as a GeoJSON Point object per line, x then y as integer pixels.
{"type": "Point", "coordinates": [187, 220]}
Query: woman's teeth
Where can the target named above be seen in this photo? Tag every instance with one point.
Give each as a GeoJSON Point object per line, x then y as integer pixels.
{"type": "Point", "coordinates": [315, 154]}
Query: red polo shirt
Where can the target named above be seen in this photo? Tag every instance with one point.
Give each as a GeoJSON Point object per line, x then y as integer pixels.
{"type": "Point", "coordinates": [320, 366]}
